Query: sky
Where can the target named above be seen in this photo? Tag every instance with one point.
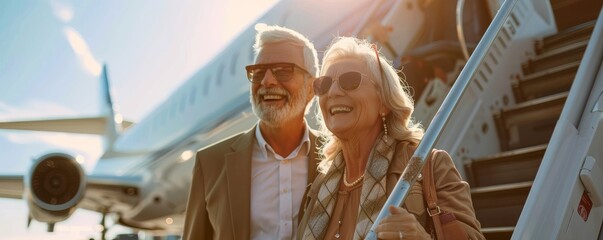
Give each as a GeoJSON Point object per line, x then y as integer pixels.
{"type": "Point", "coordinates": [51, 55]}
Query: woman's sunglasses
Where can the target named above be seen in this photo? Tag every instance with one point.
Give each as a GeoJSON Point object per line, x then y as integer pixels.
{"type": "Point", "coordinates": [282, 72]}
{"type": "Point", "coordinates": [347, 81]}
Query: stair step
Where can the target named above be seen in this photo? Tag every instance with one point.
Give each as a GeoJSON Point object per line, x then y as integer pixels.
{"type": "Point", "coordinates": [500, 205]}
{"type": "Point", "coordinates": [498, 233]}
{"type": "Point", "coordinates": [543, 83]}
{"type": "Point", "coordinates": [573, 47]}
{"type": "Point", "coordinates": [568, 36]}
{"type": "Point", "coordinates": [555, 57]}
{"type": "Point", "coordinates": [529, 123]}
{"type": "Point", "coordinates": [569, 13]}
{"type": "Point", "coordinates": [507, 167]}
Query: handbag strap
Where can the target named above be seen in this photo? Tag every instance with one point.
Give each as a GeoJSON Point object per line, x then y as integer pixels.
{"type": "Point", "coordinates": [431, 198]}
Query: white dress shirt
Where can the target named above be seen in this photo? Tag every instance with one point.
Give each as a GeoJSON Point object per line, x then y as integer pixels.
{"type": "Point", "coordinates": [277, 187]}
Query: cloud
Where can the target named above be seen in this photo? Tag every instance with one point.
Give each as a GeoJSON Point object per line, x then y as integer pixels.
{"type": "Point", "coordinates": [62, 11]}
{"type": "Point", "coordinates": [89, 144]}
{"type": "Point", "coordinates": [82, 51]}
{"type": "Point", "coordinates": [90, 147]}
{"type": "Point", "coordinates": [34, 109]}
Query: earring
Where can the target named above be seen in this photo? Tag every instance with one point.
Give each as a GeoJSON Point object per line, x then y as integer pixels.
{"type": "Point", "coordinates": [384, 127]}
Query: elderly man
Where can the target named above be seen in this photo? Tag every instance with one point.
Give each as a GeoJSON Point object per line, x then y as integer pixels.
{"type": "Point", "coordinates": [251, 185]}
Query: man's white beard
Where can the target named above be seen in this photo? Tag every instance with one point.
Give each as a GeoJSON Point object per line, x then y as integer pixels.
{"type": "Point", "coordinates": [275, 115]}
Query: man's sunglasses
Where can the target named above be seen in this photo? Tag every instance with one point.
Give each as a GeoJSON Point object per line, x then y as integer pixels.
{"type": "Point", "coordinates": [347, 81]}
{"type": "Point", "coordinates": [282, 72]}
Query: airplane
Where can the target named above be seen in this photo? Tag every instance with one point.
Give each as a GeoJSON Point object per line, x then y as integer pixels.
{"type": "Point", "coordinates": [533, 102]}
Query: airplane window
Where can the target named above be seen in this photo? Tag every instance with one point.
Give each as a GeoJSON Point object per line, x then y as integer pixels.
{"type": "Point", "coordinates": [233, 67]}
{"type": "Point", "coordinates": [173, 109]}
{"type": "Point", "coordinates": [182, 102]}
{"type": "Point", "coordinates": [206, 88]}
{"type": "Point", "coordinates": [219, 80]}
{"type": "Point", "coordinates": [166, 117]}
{"type": "Point", "coordinates": [145, 132]}
{"type": "Point", "coordinates": [191, 96]}
{"type": "Point", "coordinates": [252, 55]}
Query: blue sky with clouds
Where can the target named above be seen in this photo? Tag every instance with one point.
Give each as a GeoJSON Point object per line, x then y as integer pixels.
{"type": "Point", "coordinates": [51, 52]}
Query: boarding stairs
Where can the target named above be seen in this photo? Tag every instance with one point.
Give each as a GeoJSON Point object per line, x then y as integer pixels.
{"type": "Point", "coordinates": [523, 117]}
{"type": "Point", "coordinates": [500, 182]}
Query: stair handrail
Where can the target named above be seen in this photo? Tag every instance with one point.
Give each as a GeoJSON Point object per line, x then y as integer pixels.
{"type": "Point", "coordinates": [586, 73]}
{"type": "Point", "coordinates": [572, 116]}
{"type": "Point", "coordinates": [460, 33]}
{"type": "Point", "coordinates": [417, 161]}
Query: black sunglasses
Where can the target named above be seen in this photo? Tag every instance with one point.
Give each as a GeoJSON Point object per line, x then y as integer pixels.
{"type": "Point", "coordinates": [347, 81]}
{"type": "Point", "coordinates": [282, 72]}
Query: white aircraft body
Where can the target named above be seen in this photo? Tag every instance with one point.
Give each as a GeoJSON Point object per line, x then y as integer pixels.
{"type": "Point", "coordinates": [525, 134]}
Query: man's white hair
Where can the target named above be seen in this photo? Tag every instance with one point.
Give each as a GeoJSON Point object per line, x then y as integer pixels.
{"type": "Point", "coordinates": [274, 34]}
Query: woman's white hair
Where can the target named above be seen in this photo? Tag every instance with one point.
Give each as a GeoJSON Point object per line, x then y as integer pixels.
{"type": "Point", "coordinates": [275, 34]}
{"type": "Point", "coordinates": [393, 92]}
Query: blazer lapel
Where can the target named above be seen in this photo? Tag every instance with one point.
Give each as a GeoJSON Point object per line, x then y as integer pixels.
{"type": "Point", "coordinates": [312, 169]}
{"type": "Point", "coordinates": [312, 161]}
{"type": "Point", "coordinates": [238, 170]}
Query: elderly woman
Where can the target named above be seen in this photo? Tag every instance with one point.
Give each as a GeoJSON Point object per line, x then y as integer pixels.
{"type": "Point", "coordinates": [365, 106]}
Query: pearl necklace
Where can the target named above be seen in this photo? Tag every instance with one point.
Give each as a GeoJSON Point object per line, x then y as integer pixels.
{"type": "Point", "coordinates": [354, 183]}
{"type": "Point", "coordinates": [349, 185]}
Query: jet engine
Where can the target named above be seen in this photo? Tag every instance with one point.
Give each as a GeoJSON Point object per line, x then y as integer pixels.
{"type": "Point", "coordinates": [54, 186]}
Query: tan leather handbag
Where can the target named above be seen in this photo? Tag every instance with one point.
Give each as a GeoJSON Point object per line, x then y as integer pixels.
{"type": "Point", "coordinates": [445, 225]}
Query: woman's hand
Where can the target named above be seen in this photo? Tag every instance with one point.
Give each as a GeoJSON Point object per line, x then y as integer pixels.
{"type": "Point", "coordinates": [400, 225]}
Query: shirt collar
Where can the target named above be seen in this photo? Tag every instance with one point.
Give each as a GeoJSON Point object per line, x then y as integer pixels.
{"type": "Point", "coordinates": [264, 146]}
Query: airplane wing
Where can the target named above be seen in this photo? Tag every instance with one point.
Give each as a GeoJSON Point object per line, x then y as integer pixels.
{"type": "Point", "coordinates": [109, 123]}
{"type": "Point", "coordinates": [114, 192]}
{"type": "Point", "coordinates": [86, 125]}
{"type": "Point", "coordinates": [11, 186]}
